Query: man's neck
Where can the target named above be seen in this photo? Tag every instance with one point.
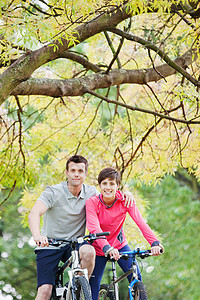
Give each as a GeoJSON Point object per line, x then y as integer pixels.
{"type": "Point", "coordinates": [74, 190]}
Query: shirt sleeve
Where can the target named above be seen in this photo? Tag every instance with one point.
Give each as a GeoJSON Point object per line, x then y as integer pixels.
{"type": "Point", "coordinates": [92, 221]}
{"type": "Point", "coordinates": [143, 226]}
{"type": "Point", "coordinates": [47, 197]}
{"type": "Point", "coordinates": [97, 192]}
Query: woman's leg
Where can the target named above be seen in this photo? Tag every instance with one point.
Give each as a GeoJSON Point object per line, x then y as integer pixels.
{"type": "Point", "coordinates": [97, 274]}
{"type": "Point", "coordinates": [125, 265]}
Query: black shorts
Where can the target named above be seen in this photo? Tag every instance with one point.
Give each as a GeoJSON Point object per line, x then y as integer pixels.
{"type": "Point", "coordinates": [48, 260]}
{"type": "Point", "coordinates": [47, 263]}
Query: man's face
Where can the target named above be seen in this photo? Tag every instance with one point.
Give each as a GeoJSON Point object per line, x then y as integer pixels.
{"type": "Point", "coordinates": [76, 174]}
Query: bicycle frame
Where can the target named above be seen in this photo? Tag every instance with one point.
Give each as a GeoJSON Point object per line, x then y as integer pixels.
{"type": "Point", "coordinates": [133, 270]}
{"type": "Point", "coordinates": [115, 281]}
{"type": "Point", "coordinates": [135, 279]}
{"type": "Point", "coordinates": [73, 272]}
{"type": "Point", "coordinates": [69, 290]}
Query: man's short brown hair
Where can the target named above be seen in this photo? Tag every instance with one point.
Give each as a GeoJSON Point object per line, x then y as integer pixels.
{"type": "Point", "coordinates": [77, 159]}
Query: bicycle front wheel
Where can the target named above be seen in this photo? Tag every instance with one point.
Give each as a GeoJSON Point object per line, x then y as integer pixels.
{"type": "Point", "coordinates": [83, 291]}
{"type": "Point", "coordinates": [139, 291]}
{"type": "Point", "coordinates": [103, 291]}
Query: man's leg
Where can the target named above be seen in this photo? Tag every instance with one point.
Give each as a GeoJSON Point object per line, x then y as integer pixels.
{"type": "Point", "coordinates": [47, 264]}
{"type": "Point", "coordinates": [87, 258]}
{"type": "Point", "coordinates": [44, 292]}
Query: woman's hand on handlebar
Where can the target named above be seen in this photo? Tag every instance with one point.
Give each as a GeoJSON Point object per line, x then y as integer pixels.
{"type": "Point", "coordinates": [114, 254]}
{"type": "Point", "coordinates": [157, 250]}
{"type": "Point", "coordinates": [41, 241]}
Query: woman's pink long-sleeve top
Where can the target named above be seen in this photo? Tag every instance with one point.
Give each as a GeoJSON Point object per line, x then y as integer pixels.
{"type": "Point", "coordinates": [101, 218]}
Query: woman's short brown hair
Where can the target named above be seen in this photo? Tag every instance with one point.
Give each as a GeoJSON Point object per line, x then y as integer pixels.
{"type": "Point", "coordinates": [110, 173]}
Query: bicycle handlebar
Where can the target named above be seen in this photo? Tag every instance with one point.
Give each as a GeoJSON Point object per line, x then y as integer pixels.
{"type": "Point", "coordinates": [90, 237]}
{"type": "Point", "coordinates": [141, 253]}
{"type": "Point", "coordinates": [102, 233]}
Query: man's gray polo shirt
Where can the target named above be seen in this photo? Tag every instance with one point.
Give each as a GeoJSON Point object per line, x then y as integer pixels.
{"type": "Point", "coordinates": [65, 217]}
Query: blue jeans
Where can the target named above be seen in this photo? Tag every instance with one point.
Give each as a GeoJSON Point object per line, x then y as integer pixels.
{"type": "Point", "coordinates": [100, 264]}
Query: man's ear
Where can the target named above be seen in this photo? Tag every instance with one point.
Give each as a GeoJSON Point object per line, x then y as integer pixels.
{"type": "Point", "coordinates": [66, 172]}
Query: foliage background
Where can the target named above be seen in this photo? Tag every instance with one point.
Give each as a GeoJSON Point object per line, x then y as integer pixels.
{"type": "Point", "coordinates": [131, 111]}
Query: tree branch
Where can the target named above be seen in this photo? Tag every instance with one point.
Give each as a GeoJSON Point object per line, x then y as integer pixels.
{"type": "Point", "coordinates": [81, 60]}
{"type": "Point", "coordinates": [133, 108]}
{"type": "Point", "coordinates": [22, 69]}
{"type": "Point", "coordinates": [11, 190]}
{"type": "Point", "coordinates": [115, 55]}
{"type": "Point", "coordinates": [162, 54]}
{"type": "Point", "coordinates": [78, 86]}
{"type": "Point", "coordinates": [139, 146]}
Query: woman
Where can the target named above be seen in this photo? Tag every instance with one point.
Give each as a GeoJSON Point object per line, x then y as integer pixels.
{"type": "Point", "coordinates": [107, 212]}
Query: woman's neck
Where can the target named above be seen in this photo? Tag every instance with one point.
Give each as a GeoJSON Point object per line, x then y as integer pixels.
{"type": "Point", "coordinates": [108, 202]}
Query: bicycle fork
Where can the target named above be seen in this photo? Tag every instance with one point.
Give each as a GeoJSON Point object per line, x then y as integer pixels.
{"type": "Point", "coordinates": [134, 280]}
{"type": "Point", "coordinates": [73, 274]}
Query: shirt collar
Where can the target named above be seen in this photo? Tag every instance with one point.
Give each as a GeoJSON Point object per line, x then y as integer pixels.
{"type": "Point", "coordinates": [69, 194]}
{"type": "Point", "coordinates": [116, 198]}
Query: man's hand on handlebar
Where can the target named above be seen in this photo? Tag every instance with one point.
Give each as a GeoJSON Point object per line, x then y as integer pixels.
{"type": "Point", "coordinates": [41, 241]}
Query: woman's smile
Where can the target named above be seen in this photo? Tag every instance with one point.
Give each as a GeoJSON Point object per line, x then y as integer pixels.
{"type": "Point", "coordinates": [108, 189]}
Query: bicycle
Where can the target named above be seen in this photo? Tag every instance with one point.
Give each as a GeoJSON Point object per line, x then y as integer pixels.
{"type": "Point", "coordinates": [77, 287]}
{"type": "Point", "coordinates": [136, 288]}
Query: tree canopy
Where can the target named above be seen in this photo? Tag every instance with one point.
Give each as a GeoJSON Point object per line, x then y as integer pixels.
{"type": "Point", "coordinates": [115, 81]}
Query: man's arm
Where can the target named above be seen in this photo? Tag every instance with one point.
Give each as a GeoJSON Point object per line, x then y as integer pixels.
{"type": "Point", "coordinates": [34, 223]}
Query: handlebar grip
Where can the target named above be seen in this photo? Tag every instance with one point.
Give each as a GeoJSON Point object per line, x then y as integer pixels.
{"type": "Point", "coordinates": [161, 251]}
{"type": "Point", "coordinates": [103, 233]}
{"type": "Point", "coordinates": [124, 256]}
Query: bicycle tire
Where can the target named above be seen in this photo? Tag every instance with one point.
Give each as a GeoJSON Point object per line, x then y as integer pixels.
{"type": "Point", "coordinates": [103, 291]}
{"type": "Point", "coordinates": [139, 291]}
{"type": "Point", "coordinates": [83, 291]}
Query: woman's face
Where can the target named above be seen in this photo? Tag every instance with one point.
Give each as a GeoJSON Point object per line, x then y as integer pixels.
{"type": "Point", "coordinates": [108, 189]}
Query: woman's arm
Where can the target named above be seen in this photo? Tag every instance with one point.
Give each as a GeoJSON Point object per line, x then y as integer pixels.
{"type": "Point", "coordinates": [92, 222]}
{"type": "Point", "coordinates": [143, 226]}
{"type": "Point", "coordinates": [156, 247]}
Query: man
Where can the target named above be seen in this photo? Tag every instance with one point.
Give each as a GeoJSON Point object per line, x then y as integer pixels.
{"type": "Point", "coordinates": [63, 207]}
